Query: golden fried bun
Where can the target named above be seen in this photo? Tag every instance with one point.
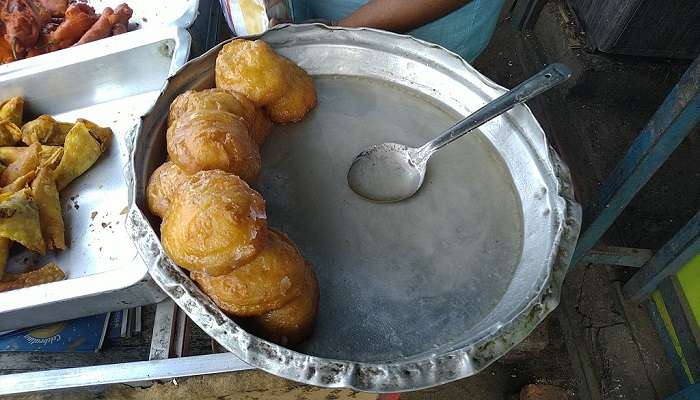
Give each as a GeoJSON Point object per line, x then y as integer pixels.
{"type": "Point", "coordinates": [262, 125]}
{"type": "Point", "coordinates": [205, 140]}
{"type": "Point", "coordinates": [299, 99]}
{"type": "Point", "coordinates": [259, 125]}
{"type": "Point", "coordinates": [269, 281]}
{"type": "Point", "coordinates": [253, 69]}
{"type": "Point", "coordinates": [211, 100]}
{"type": "Point", "coordinates": [165, 181]}
{"type": "Point", "coordinates": [215, 223]}
{"type": "Point", "coordinates": [294, 322]}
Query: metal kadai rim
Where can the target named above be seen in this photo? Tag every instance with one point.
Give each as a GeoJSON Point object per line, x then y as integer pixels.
{"type": "Point", "coordinates": [420, 371]}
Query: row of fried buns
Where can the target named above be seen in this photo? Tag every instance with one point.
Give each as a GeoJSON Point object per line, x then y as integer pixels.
{"type": "Point", "coordinates": [213, 223]}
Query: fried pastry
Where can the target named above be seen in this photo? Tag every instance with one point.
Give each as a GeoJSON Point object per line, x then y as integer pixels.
{"type": "Point", "coordinates": [215, 223]}
{"type": "Point", "coordinates": [12, 109]}
{"type": "Point", "coordinates": [19, 220]}
{"type": "Point", "coordinates": [45, 130]}
{"type": "Point", "coordinates": [10, 134]}
{"type": "Point", "coordinates": [298, 100]}
{"type": "Point", "coordinates": [47, 201]}
{"type": "Point", "coordinates": [293, 322]}
{"type": "Point", "coordinates": [27, 162]}
{"type": "Point", "coordinates": [164, 183]}
{"type": "Point", "coordinates": [207, 140]}
{"type": "Point", "coordinates": [269, 281]}
{"type": "Point", "coordinates": [253, 69]}
{"type": "Point", "coordinates": [82, 149]}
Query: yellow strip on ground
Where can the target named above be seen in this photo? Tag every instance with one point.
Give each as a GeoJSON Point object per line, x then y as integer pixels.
{"type": "Point", "coordinates": [666, 318]}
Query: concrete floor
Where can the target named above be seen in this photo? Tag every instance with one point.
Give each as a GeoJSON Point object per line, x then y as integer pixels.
{"type": "Point", "coordinates": [596, 345]}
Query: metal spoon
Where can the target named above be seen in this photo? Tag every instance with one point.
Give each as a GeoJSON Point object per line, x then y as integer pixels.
{"type": "Point", "coordinates": [391, 172]}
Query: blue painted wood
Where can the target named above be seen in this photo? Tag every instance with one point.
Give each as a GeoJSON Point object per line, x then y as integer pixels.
{"type": "Point", "coordinates": [671, 355]}
{"type": "Point", "coordinates": [671, 123]}
{"type": "Point", "coordinates": [670, 293]}
{"type": "Point", "coordinates": [676, 253]}
{"type": "Point", "coordinates": [691, 392]}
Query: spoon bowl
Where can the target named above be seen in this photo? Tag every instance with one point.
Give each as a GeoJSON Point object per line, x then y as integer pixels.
{"type": "Point", "coordinates": [391, 172]}
{"type": "Point", "coordinates": [387, 172]}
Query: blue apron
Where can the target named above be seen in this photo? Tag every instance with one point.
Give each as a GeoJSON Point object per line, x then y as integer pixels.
{"type": "Point", "coordinates": [466, 31]}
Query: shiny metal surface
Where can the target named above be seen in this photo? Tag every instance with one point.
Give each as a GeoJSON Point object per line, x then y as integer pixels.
{"type": "Point", "coordinates": [139, 371]}
{"type": "Point", "coordinates": [391, 172]}
{"type": "Point", "coordinates": [111, 84]}
{"type": "Point", "coordinates": [430, 290]}
{"type": "Point", "coordinates": [148, 15]}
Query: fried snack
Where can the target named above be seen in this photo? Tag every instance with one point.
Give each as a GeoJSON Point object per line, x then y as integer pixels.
{"type": "Point", "coordinates": [27, 162]}
{"type": "Point", "coordinates": [19, 220]}
{"type": "Point", "coordinates": [164, 183]}
{"type": "Point", "coordinates": [269, 281]}
{"type": "Point", "coordinates": [293, 322]}
{"type": "Point", "coordinates": [253, 69]}
{"type": "Point", "coordinates": [102, 135]}
{"type": "Point", "coordinates": [8, 155]}
{"type": "Point", "coordinates": [261, 127]}
{"type": "Point", "coordinates": [79, 17]}
{"type": "Point", "coordinates": [9, 133]}
{"type": "Point", "coordinates": [206, 140]}
{"type": "Point", "coordinates": [45, 130]}
{"type": "Point", "coordinates": [215, 223]}
{"type": "Point", "coordinates": [12, 109]}
{"type": "Point", "coordinates": [298, 100]}
{"type": "Point", "coordinates": [120, 19]}
{"type": "Point", "coordinates": [210, 100]}
{"type": "Point", "coordinates": [22, 21]}
{"type": "Point", "coordinates": [101, 29]}
{"type": "Point", "coordinates": [19, 183]}
{"type": "Point", "coordinates": [81, 151]}
{"type": "Point", "coordinates": [4, 254]}
{"type": "Point", "coordinates": [46, 274]}
{"type": "Point", "coordinates": [55, 7]}
{"type": "Point", "coordinates": [6, 53]}
{"type": "Point", "coordinates": [47, 200]}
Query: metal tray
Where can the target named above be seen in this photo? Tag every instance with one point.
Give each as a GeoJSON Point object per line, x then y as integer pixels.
{"type": "Point", "coordinates": [111, 83]}
{"type": "Point", "coordinates": [413, 294]}
{"type": "Point", "coordinates": [148, 14]}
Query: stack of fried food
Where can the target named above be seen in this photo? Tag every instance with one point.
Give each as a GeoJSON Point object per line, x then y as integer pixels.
{"type": "Point", "coordinates": [214, 224]}
{"type": "Point", "coordinates": [29, 28]}
{"type": "Point", "coordinates": [36, 162]}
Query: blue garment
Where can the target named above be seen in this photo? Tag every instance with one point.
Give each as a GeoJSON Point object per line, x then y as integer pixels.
{"type": "Point", "coordinates": [466, 31]}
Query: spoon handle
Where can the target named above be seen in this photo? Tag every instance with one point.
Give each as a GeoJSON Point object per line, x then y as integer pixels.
{"type": "Point", "coordinates": [549, 77]}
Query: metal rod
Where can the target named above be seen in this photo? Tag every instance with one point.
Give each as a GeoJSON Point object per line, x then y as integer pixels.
{"type": "Point", "coordinates": [671, 123]}
{"type": "Point", "coordinates": [120, 373]}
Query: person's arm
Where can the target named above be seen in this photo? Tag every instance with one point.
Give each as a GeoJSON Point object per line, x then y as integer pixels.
{"type": "Point", "coordinates": [400, 15]}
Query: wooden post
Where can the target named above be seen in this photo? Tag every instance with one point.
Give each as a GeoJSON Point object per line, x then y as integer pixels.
{"type": "Point", "coordinates": [671, 123]}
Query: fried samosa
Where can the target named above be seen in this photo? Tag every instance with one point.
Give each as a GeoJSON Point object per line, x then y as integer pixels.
{"type": "Point", "coordinates": [81, 151]}
{"type": "Point", "coordinates": [47, 200]}
{"type": "Point", "coordinates": [26, 162]}
{"type": "Point", "coordinates": [12, 110]}
{"type": "Point", "coordinates": [19, 220]}
{"type": "Point", "coordinates": [10, 134]}
{"type": "Point", "coordinates": [45, 130]}
{"type": "Point", "coordinates": [46, 274]}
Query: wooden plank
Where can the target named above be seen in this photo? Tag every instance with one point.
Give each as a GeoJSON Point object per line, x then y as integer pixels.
{"type": "Point", "coordinates": [681, 326]}
{"type": "Point", "coordinates": [671, 123]}
{"type": "Point", "coordinates": [664, 327]}
{"type": "Point", "coordinates": [624, 256]}
{"type": "Point", "coordinates": [676, 253]}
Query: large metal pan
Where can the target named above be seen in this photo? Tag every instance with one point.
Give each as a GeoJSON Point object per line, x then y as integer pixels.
{"type": "Point", "coordinates": [413, 294]}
